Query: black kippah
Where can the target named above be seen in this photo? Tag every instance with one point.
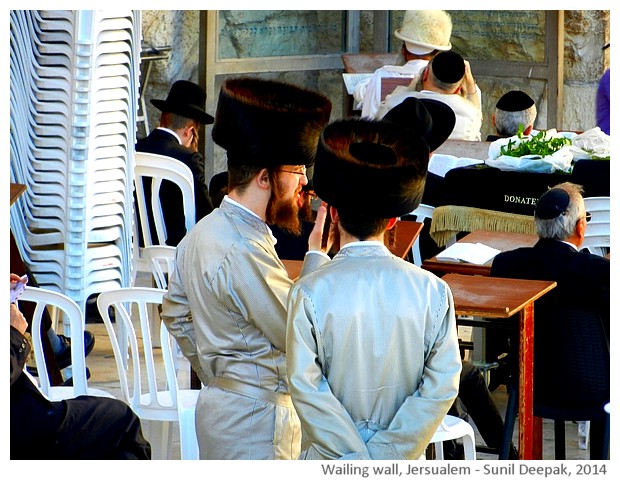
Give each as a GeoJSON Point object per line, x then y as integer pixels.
{"type": "Point", "coordinates": [552, 204]}
{"type": "Point", "coordinates": [448, 67]}
{"type": "Point", "coordinates": [514, 101]}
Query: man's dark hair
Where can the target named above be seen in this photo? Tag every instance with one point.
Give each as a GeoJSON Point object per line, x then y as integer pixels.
{"type": "Point", "coordinates": [360, 226]}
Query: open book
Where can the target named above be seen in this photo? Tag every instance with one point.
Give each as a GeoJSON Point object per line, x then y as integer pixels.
{"type": "Point", "coordinates": [476, 253]}
{"type": "Point", "coordinates": [352, 79]}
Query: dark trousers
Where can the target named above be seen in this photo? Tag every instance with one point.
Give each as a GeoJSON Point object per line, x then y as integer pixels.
{"type": "Point", "coordinates": [480, 405]}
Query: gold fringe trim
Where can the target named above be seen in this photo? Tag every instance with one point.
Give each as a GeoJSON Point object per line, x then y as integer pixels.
{"type": "Point", "coordinates": [449, 220]}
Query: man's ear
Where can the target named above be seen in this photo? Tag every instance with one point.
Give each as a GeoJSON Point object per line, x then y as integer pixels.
{"type": "Point", "coordinates": [391, 223]}
{"type": "Point", "coordinates": [262, 179]}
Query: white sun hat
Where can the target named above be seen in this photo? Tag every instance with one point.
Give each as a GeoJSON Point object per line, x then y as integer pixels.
{"type": "Point", "coordinates": [425, 30]}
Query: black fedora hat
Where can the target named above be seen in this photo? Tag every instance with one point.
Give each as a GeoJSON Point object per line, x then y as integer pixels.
{"type": "Point", "coordinates": [186, 99]}
{"type": "Point", "coordinates": [430, 119]}
{"type": "Point", "coordinates": [370, 166]}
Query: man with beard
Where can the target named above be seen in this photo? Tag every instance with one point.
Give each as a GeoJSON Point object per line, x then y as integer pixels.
{"type": "Point", "coordinates": [226, 300]}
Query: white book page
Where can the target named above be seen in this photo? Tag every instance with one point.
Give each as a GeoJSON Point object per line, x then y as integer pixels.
{"type": "Point", "coordinates": [352, 79]}
{"type": "Point", "coordinates": [476, 253]}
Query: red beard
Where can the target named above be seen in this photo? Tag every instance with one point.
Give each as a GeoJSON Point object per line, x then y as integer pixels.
{"type": "Point", "coordinates": [283, 213]}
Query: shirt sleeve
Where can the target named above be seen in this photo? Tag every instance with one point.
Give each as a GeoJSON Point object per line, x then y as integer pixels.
{"type": "Point", "coordinates": [20, 348]}
{"type": "Point", "coordinates": [177, 316]}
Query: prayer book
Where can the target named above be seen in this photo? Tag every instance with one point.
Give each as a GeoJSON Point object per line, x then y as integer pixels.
{"type": "Point", "coordinates": [476, 253]}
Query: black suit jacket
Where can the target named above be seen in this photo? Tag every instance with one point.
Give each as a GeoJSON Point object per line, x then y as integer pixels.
{"type": "Point", "coordinates": [582, 278]}
{"type": "Point", "coordinates": [34, 419]}
{"type": "Point", "coordinates": [164, 143]}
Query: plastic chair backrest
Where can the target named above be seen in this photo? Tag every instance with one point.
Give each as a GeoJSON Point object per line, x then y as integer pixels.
{"type": "Point", "coordinates": [422, 212]}
{"type": "Point", "coordinates": [452, 428]}
{"type": "Point", "coordinates": [161, 259]}
{"type": "Point", "coordinates": [144, 396]}
{"type": "Point", "coordinates": [597, 237]}
{"type": "Point", "coordinates": [73, 317]}
{"type": "Point", "coordinates": [159, 168]}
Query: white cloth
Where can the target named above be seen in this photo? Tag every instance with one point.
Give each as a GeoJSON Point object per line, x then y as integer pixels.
{"type": "Point", "coordinates": [468, 115]}
{"type": "Point", "coordinates": [367, 95]}
{"type": "Point", "coordinates": [226, 307]}
{"type": "Point", "coordinates": [373, 356]}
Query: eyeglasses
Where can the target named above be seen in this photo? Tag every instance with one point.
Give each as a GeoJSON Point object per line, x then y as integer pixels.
{"type": "Point", "coordinates": [588, 217]}
{"type": "Point", "coordinates": [295, 172]}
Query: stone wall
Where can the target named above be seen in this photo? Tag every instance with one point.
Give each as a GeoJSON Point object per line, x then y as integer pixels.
{"type": "Point", "coordinates": [586, 31]}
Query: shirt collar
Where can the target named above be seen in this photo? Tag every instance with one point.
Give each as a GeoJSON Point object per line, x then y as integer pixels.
{"type": "Point", "coordinates": [246, 209]}
{"type": "Point", "coordinates": [365, 243]}
{"type": "Point", "coordinates": [171, 133]}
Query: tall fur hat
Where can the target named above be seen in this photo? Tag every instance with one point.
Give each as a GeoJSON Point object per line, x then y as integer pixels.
{"type": "Point", "coordinates": [425, 30]}
{"type": "Point", "coordinates": [268, 123]}
{"type": "Point", "coordinates": [370, 166]}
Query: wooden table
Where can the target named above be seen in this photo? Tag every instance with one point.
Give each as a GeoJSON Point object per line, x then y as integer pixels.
{"type": "Point", "coordinates": [406, 234]}
{"type": "Point", "coordinates": [16, 190]}
{"type": "Point", "coordinates": [503, 241]}
{"type": "Point", "coordinates": [500, 298]}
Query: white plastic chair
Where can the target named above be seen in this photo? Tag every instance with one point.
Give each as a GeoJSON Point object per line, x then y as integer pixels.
{"type": "Point", "coordinates": [422, 213]}
{"type": "Point", "coordinates": [185, 399]}
{"type": "Point", "coordinates": [161, 259]}
{"type": "Point", "coordinates": [159, 168]}
{"type": "Point", "coordinates": [140, 386]}
{"type": "Point", "coordinates": [597, 238]}
{"type": "Point", "coordinates": [73, 317]}
{"type": "Point", "coordinates": [452, 428]}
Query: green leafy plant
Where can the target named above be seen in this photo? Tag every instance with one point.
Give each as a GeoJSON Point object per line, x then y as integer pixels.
{"type": "Point", "coordinates": [537, 145]}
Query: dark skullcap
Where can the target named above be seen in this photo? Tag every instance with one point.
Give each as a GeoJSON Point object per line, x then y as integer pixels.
{"type": "Point", "coordinates": [448, 67]}
{"type": "Point", "coordinates": [552, 204]}
{"type": "Point", "coordinates": [514, 101]}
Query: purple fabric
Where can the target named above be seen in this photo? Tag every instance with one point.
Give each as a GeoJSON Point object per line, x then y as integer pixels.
{"type": "Point", "coordinates": [602, 103]}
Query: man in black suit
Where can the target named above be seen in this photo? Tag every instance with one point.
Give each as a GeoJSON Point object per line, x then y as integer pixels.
{"type": "Point", "coordinates": [582, 278]}
{"type": "Point", "coordinates": [183, 111]}
{"type": "Point", "coordinates": [81, 428]}
{"type": "Point", "coordinates": [582, 282]}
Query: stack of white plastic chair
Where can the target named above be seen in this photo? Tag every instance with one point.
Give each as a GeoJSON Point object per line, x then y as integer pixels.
{"type": "Point", "coordinates": [74, 94]}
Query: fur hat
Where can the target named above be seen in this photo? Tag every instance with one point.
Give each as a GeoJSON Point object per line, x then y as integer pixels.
{"type": "Point", "coordinates": [186, 99]}
{"type": "Point", "coordinates": [514, 101]}
{"type": "Point", "coordinates": [370, 166]}
{"type": "Point", "coordinates": [430, 119]}
{"type": "Point", "coordinates": [448, 67]}
{"type": "Point", "coordinates": [268, 123]}
{"type": "Point", "coordinates": [425, 30]}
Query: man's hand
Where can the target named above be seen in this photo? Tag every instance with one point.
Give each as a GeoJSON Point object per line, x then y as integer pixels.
{"type": "Point", "coordinates": [469, 86]}
{"type": "Point", "coordinates": [315, 239]}
{"type": "Point", "coordinates": [18, 320]}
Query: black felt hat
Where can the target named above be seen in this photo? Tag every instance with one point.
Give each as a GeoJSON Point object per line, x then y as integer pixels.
{"type": "Point", "coordinates": [430, 119]}
{"type": "Point", "coordinates": [552, 204]}
{"type": "Point", "coordinates": [514, 101]}
{"type": "Point", "coordinates": [269, 123]}
{"type": "Point", "coordinates": [372, 167]}
{"type": "Point", "coordinates": [186, 99]}
{"type": "Point", "coordinates": [448, 67]}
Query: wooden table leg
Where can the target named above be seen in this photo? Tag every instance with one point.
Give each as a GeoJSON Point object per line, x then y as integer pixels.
{"type": "Point", "coordinates": [530, 427]}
